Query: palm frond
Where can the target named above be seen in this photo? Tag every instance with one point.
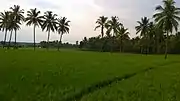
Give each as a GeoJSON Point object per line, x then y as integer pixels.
{"type": "Point", "coordinates": [159, 8]}
{"type": "Point", "coordinates": [97, 27]}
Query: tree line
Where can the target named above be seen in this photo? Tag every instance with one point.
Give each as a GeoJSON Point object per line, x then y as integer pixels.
{"type": "Point", "coordinates": [157, 36]}
{"type": "Point", "coordinates": [55, 44]}
{"type": "Point", "coordinates": [11, 20]}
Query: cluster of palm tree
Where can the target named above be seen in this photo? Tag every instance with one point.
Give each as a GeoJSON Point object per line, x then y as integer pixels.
{"type": "Point", "coordinates": [11, 20]}
{"type": "Point", "coordinates": [113, 28]}
{"type": "Point", "coordinates": [165, 22]}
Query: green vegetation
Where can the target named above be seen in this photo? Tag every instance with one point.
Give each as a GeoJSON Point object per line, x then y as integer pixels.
{"type": "Point", "coordinates": [160, 84]}
{"type": "Point", "coordinates": [72, 75]}
{"type": "Point", "coordinates": [158, 35]}
{"type": "Point", "coordinates": [28, 75]}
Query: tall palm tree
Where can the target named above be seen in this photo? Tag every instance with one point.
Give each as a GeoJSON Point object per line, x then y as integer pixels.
{"type": "Point", "coordinates": [4, 24]}
{"type": "Point", "coordinates": [101, 22]}
{"type": "Point", "coordinates": [13, 25]}
{"type": "Point", "coordinates": [143, 26]}
{"type": "Point", "coordinates": [17, 14]}
{"type": "Point", "coordinates": [62, 28]}
{"type": "Point", "coordinates": [143, 29]}
{"type": "Point", "coordinates": [49, 24]}
{"type": "Point", "coordinates": [33, 18]}
{"type": "Point", "coordinates": [123, 34]}
{"type": "Point", "coordinates": [151, 37]}
{"type": "Point", "coordinates": [113, 26]}
{"type": "Point", "coordinates": [167, 18]}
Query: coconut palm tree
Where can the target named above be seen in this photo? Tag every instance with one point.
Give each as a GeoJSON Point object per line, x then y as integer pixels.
{"type": "Point", "coordinates": [143, 29]}
{"type": "Point", "coordinates": [33, 18]}
{"type": "Point", "coordinates": [49, 24]}
{"type": "Point", "coordinates": [13, 25]}
{"type": "Point", "coordinates": [167, 17]}
{"type": "Point", "coordinates": [143, 26]}
{"type": "Point", "coordinates": [101, 22]}
{"type": "Point", "coordinates": [123, 34]}
{"type": "Point", "coordinates": [113, 26]}
{"type": "Point", "coordinates": [62, 28]}
{"type": "Point", "coordinates": [17, 14]}
{"type": "Point", "coordinates": [4, 24]}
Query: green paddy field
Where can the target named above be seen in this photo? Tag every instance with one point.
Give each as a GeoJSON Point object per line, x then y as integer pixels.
{"type": "Point", "coordinates": [72, 75]}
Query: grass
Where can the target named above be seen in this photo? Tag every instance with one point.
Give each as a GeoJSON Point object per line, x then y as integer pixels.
{"type": "Point", "coordinates": [161, 84]}
{"type": "Point", "coordinates": [68, 75]}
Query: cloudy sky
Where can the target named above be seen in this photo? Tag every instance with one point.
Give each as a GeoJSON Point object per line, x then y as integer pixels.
{"type": "Point", "coordinates": [83, 15]}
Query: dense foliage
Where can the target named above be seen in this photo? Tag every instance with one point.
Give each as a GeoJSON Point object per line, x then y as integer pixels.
{"type": "Point", "coordinates": [55, 44]}
{"type": "Point", "coordinates": [134, 45]}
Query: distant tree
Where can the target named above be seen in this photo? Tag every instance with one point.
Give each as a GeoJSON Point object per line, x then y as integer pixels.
{"type": "Point", "coordinates": [4, 24]}
{"type": "Point", "coordinates": [159, 38]}
{"type": "Point", "coordinates": [143, 26]}
{"type": "Point", "coordinates": [113, 26]}
{"type": "Point", "coordinates": [151, 38]}
{"type": "Point", "coordinates": [34, 18]}
{"type": "Point", "coordinates": [62, 28]}
{"type": "Point", "coordinates": [143, 29]}
{"type": "Point", "coordinates": [167, 17]}
{"type": "Point", "coordinates": [122, 35]}
{"type": "Point", "coordinates": [17, 17]}
{"type": "Point", "coordinates": [77, 43]}
{"type": "Point", "coordinates": [1, 43]}
{"type": "Point", "coordinates": [101, 22]}
{"type": "Point", "coordinates": [49, 24]}
{"type": "Point", "coordinates": [43, 44]}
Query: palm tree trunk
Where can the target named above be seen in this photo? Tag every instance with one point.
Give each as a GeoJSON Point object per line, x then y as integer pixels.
{"type": "Point", "coordinates": [102, 35]}
{"type": "Point", "coordinates": [141, 49]}
{"type": "Point", "coordinates": [60, 41]}
{"type": "Point", "coordinates": [5, 38]}
{"type": "Point", "coordinates": [15, 46]}
{"type": "Point", "coordinates": [122, 48]}
{"type": "Point", "coordinates": [141, 46]}
{"type": "Point", "coordinates": [10, 40]}
{"type": "Point", "coordinates": [157, 45]}
{"type": "Point", "coordinates": [102, 46]}
{"type": "Point", "coordinates": [104, 41]}
{"type": "Point", "coordinates": [146, 49]}
{"type": "Point", "coordinates": [47, 46]}
{"type": "Point", "coordinates": [102, 31]}
{"type": "Point", "coordinates": [167, 39]}
{"type": "Point", "coordinates": [34, 37]}
{"type": "Point", "coordinates": [121, 45]}
{"type": "Point", "coordinates": [112, 46]}
{"type": "Point", "coordinates": [147, 44]}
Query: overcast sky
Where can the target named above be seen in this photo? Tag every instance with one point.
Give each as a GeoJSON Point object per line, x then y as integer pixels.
{"type": "Point", "coordinates": [83, 15]}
